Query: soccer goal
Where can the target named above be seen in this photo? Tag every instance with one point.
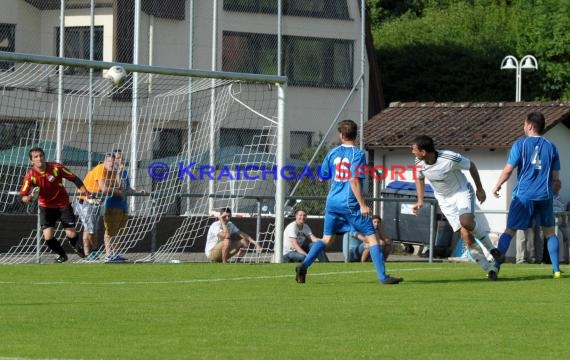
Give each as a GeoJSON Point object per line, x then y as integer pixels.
{"type": "Point", "coordinates": [187, 137]}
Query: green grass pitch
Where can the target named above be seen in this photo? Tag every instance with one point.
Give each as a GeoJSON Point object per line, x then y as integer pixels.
{"type": "Point", "coordinates": [237, 311]}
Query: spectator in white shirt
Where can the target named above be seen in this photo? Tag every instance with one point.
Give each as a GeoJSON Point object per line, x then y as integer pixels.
{"type": "Point", "coordinates": [226, 240]}
{"type": "Point", "coordinates": [298, 239]}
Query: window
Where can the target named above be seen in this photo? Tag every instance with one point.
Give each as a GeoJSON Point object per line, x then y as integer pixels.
{"type": "Point", "coordinates": [307, 61]}
{"type": "Point", "coordinates": [329, 9]}
{"type": "Point", "coordinates": [7, 43]}
{"type": "Point", "coordinates": [168, 142]}
{"type": "Point", "coordinates": [77, 44]}
{"type": "Point", "coordinates": [299, 141]}
{"type": "Point", "coordinates": [249, 53]}
{"type": "Point", "coordinates": [13, 131]}
{"type": "Point", "coordinates": [243, 137]}
{"type": "Point", "coordinates": [166, 9]}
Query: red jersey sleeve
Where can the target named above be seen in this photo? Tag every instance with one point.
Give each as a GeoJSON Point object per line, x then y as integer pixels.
{"type": "Point", "coordinates": [65, 172]}
{"type": "Point", "coordinates": [27, 185]}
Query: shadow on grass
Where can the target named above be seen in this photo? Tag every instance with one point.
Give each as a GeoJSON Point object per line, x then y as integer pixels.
{"type": "Point", "coordinates": [483, 279]}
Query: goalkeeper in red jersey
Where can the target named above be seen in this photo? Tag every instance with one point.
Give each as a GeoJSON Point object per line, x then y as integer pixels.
{"type": "Point", "coordinates": [45, 180]}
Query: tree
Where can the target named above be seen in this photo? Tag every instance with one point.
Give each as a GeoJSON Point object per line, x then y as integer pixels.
{"type": "Point", "coordinates": [451, 50]}
{"type": "Point", "coordinates": [310, 187]}
{"type": "Point", "coordinates": [382, 10]}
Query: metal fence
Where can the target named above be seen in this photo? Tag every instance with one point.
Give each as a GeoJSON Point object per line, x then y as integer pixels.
{"type": "Point", "coordinates": [317, 44]}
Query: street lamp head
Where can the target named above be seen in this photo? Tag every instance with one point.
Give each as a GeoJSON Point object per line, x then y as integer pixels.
{"type": "Point", "coordinates": [509, 63]}
{"type": "Point", "coordinates": [529, 62]}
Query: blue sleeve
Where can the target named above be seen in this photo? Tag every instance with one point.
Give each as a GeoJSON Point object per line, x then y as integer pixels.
{"type": "Point", "coordinates": [555, 160]}
{"type": "Point", "coordinates": [359, 160]}
{"type": "Point", "coordinates": [515, 154]}
{"type": "Point", "coordinates": [325, 167]}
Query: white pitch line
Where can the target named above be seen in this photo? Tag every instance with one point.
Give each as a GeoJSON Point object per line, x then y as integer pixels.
{"type": "Point", "coordinates": [215, 280]}
{"type": "Point", "coordinates": [25, 358]}
{"type": "Point", "coordinates": [192, 281]}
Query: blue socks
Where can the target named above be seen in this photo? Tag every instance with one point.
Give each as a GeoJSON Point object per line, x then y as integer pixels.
{"type": "Point", "coordinates": [375, 254]}
{"type": "Point", "coordinates": [504, 242]}
{"type": "Point", "coordinates": [378, 261]}
{"type": "Point", "coordinates": [317, 247]}
{"type": "Point", "coordinates": [503, 246]}
{"type": "Point", "coordinates": [552, 244]}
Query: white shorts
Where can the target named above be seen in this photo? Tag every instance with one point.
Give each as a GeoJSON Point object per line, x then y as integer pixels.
{"type": "Point", "coordinates": [89, 214]}
{"type": "Point", "coordinates": [454, 206]}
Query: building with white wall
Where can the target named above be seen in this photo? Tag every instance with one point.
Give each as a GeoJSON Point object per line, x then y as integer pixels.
{"type": "Point", "coordinates": [321, 45]}
{"type": "Point", "coordinates": [483, 132]}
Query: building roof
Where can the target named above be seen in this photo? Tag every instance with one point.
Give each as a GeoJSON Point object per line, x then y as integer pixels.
{"type": "Point", "coordinates": [458, 125]}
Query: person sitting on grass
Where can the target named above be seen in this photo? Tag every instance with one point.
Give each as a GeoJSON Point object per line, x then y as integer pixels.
{"type": "Point", "coordinates": [357, 247]}
{"type": "Point", "coordinates": [226, 240]}
{"type": "Point", "coordinates": [298, 238]}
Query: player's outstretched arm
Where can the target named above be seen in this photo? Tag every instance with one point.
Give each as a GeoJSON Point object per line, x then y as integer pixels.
{"type": "Point", "coordinates": [356, 190]}
{"type": "Point", "coordinates": [480, 192]}
{"type": "Point", "coordinates": [79, 184]}
{"type": "Point", "coordinates": [420, 192]}
{"type": "Point", "coordinates": [505, 175]}
{"type": "Point", "coordinates": [30, 195]}
{"type": "Point", "coordinates": [28, 192]}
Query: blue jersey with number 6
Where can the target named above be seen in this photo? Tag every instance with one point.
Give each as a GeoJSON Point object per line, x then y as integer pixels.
{"type": "Point", "coordinates": [340, 165]}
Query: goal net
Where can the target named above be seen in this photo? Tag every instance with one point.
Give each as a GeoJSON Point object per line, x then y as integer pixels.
{"type": "Point", "coordinates": [192, 144]}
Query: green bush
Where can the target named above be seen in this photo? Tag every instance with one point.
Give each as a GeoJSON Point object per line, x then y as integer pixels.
{"type": "Point", "coordinates": [452, 50]}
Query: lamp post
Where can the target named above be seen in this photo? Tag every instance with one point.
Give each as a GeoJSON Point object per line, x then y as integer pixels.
{"type": "Point", "coordinates": [527, 62]}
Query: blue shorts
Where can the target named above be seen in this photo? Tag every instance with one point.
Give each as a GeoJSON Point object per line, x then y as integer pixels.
{"type": "Point", "coordinates": [336, 223]}
{"type": "Point", "coordinates": [522, 212]}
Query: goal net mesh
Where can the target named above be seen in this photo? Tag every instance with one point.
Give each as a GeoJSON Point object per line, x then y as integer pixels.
{"type": "Point", "coordinates": [186, 144]}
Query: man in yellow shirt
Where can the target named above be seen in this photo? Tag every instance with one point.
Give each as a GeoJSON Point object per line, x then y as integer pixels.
{"type": "Point", "coordinates": [100, 180]}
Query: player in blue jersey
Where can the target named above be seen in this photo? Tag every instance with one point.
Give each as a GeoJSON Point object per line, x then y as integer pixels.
{"type": "Point", "coordinates": [538, 165]}
{"type": "Point", "coordinates": [346, 209]}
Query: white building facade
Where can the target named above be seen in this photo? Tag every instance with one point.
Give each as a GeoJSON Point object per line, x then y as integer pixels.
{"type": "Point", "coordinates": [482, 132]}
{"type": "Point", "coordinates": [320, 45]}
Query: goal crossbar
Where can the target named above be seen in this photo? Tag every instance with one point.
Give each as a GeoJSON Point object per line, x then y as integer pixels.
{"type": "Point", "coordinates": [103, 65]}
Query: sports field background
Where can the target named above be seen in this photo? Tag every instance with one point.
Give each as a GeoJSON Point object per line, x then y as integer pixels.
{"type": "Point", "coordinates": [238, 311]}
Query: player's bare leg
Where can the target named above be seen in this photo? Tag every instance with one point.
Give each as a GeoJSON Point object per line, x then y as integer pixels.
{"type": "Point", "coordinates": [476, 229]}
{"type": "Point", "coordinates": [477, 254]}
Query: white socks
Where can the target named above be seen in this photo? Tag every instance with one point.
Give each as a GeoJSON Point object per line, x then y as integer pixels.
{"type": "Point", "coordinates": [477, 255]}
{"type": "Point", "coordinates": [483, 236]}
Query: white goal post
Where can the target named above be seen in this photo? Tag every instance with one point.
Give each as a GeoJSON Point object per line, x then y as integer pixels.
{"type": "Point", "coordinates": [182, 131]}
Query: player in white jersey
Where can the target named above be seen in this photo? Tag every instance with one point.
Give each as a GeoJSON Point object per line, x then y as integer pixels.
{"type": "Point", "coordinates": [454, 195]}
